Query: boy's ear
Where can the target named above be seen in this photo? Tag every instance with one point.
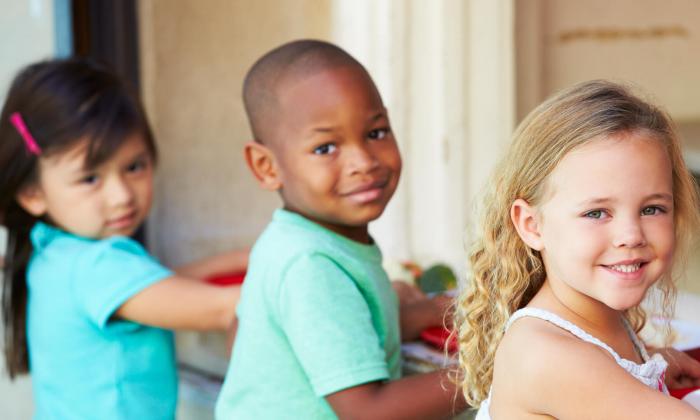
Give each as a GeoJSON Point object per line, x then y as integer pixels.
{"type": "Point", "coordinates": [263, 165]}
{"type": "Point", "coordinates": [524, 218]}
{"type": "Point", "coordinates": [32, 200]}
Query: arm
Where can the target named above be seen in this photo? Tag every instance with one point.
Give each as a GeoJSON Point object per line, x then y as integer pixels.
{"type": "Point", "coordinates": [227, 262]}
{"type": "Point", "coordinates": [432, 395]}
{"type": "Point", "coordinates": [180, 303]}
{"type": "Point", "coordinates": [543, 371]}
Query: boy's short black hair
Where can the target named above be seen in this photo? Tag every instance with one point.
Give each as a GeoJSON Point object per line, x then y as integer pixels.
{"type": "Point", "coordinates": [293, 59]}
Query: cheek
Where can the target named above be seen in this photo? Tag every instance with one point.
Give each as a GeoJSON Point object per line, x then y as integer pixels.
{"type": "Point", "coordinates": [662, 238]}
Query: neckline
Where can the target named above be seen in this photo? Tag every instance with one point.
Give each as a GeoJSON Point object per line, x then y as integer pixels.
{"type": "Point", "coordinates": [584, 335]}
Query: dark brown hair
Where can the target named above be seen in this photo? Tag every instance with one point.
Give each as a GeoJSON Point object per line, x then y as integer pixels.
{"type": "Point", "coordinates": [61, 102]}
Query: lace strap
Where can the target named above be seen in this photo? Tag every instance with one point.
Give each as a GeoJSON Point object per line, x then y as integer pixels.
{"type": "Point", "coordinates": [563, 324]}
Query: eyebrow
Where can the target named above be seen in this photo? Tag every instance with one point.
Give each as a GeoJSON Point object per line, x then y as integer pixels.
{"type": "Point", "coordinates": [603, 200]}
{"type": "Point", "coordinates": [329, 129]}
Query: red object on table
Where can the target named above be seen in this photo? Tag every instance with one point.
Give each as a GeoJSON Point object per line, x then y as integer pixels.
{"type": "Point", "coordinates": [227, 279]}
{"type": "Point", "coordinates": [439, 337]}
{"type": "Point", "coordinates": [681, 392]}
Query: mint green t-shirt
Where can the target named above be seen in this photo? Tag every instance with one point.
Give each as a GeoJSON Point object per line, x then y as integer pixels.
{"type": "Point", "coordinates": [317, 315]}
{"type": "Point", "coordinates": [84, 363]}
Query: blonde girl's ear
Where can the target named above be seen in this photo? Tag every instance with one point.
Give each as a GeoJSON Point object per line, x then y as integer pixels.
{"type": "Point", "coordinates": [32, 200]}
{"type": "Point", "coordinates": [524, 217]}
{"type": "Point", "coordinates": [263, 165]}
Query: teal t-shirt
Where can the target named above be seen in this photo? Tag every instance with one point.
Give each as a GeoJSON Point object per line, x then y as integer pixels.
{"type": "Point", "coordinates": [317, 315]}
{"type": "Point", "coordinates": [84, 364]}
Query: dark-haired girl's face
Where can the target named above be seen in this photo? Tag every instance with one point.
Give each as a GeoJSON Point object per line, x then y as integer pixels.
{"type": "Point", "coordinates": [111, 199]}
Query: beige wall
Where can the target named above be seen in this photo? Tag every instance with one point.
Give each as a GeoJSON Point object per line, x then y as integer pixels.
{"type": "Point", "coordinates": [194, 56]}
{"type": "Point", "coordinates": [652, 43]}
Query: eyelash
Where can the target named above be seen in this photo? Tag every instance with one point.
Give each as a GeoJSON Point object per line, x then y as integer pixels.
{"type": "Point", "coordinates": [322, 149]}
{"type": "Point", "coordinates": [89, 179]}
{"type": "Point", "coordinates": [384, 131]}
{"type": "Point", "coordinates": [657, 210]}
{"type": "Point", "coordinates": [139, 165]}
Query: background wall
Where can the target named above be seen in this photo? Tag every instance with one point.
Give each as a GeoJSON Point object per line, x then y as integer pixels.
{"type": "Point", "coordinates": [194, 56]}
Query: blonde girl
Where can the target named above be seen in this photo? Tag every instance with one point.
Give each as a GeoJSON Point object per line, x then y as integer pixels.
{"type": "Point", "coordinates": [591, 206]}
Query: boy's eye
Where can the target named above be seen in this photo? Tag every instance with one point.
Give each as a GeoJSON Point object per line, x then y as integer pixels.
{"type": "Point", "coordinates": [652, 210]}
{"type": "Point", "coordinates": [595, 214]}
{"type": "Point", "coordinates": [325, 149]}
{"type": "Point", "coordinates": [378, 133]}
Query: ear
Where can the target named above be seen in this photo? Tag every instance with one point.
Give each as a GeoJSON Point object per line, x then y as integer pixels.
{"type": "Point", "coordinates": [524, 219]}
{"type": "Point", "coordinates": [32, 200]}
{"type": "Point", "coordinates": [263, 165]}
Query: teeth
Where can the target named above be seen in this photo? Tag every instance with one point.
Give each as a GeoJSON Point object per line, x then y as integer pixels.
{"type": "Point", "coordinates": [626, 268]}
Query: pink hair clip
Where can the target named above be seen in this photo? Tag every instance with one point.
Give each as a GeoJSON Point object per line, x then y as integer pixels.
{"type": "Point", "coordinates": [17, 120]}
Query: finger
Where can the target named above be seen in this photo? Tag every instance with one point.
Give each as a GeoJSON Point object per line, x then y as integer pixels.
{"type": "Point", "coordinates": [687, 365]}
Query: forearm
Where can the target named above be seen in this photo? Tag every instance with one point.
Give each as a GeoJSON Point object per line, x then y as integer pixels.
{"type": "Point", "coordinates": [179, 303]}
{"type": "Point", "coordinates": [426, 396]}
{"type": "Point", "coordinates": [227, 262]}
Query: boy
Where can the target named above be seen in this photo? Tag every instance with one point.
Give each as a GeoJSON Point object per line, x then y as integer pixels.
{"type": "Point", "coordinates": [318, 322]}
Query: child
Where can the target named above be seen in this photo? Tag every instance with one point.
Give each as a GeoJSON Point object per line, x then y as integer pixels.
{"type": "Point", "coordinates": [318, 332]}
{"type": "Point", "coordinates": [583, 217]}
{"type": "Point", "coordinates": [84, 304]}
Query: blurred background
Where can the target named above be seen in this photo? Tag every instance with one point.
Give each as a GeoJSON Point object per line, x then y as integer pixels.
{"type": "Point", "coordinates": [456, 75]}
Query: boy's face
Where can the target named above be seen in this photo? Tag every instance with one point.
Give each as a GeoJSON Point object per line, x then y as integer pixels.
{"type": "Point", "coordinates": [337, 160]}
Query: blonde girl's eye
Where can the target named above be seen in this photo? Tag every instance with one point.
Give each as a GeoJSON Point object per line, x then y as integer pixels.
{"type": "Point", "coordinates": [652, 210]}
{"type": "Point", "coordinates": [325, 149]}
{"type": "Point", "coordinates": [378, 133]}
{"type": "Point", "coordinates": [595, 214]}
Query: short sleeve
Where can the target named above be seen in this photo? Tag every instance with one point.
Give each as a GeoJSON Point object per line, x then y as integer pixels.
{"type": "Point", "coordinates": [329, 326]}
{"type": "Point", "coordinates": [110, 273]}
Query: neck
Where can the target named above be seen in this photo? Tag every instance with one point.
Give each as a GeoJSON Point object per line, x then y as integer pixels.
{"type": "Point", "coordinates": [584, 311]}
{"type": "Point", "coordinates": [356, 233]}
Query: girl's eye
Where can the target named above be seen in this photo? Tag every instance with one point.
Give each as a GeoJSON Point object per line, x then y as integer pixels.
{"type": "Point", "coordinates": [595, 214]}
{"type": "Point", "coordinates": [652, 210]}
{"type": "Point", "coordinates": [136, 166]}
{"type": "Point", "coordinates": [89, 179]}
{"type": "Point", "coordinates": [378, 133]}
{"type": "Point", "coordinates": [325, 149]}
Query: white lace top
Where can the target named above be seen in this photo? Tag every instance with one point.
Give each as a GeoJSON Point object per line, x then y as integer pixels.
{"type": "Point", "coordinates": [650, 373]}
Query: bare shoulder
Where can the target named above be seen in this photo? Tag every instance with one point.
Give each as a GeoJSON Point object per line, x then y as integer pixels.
{"type": "Point", "coordinates": [543, 369]}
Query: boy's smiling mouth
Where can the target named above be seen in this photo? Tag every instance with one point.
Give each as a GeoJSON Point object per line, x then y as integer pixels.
{"type": "Point", "coordinates": [367, 192]}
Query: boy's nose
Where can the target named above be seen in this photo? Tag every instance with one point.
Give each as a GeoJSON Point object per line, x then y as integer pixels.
{"type": "Point", "coordinates": [630, 234]}
{"type": "Point", "coordinates": [362, 159]}
{"type": "Point", "coordinates": [119, 192]}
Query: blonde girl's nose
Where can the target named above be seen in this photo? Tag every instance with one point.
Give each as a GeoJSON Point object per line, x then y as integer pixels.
{"type": "Point", "coordinates": [629, 234]}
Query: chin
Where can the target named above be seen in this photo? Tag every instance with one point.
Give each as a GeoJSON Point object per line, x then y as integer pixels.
{"type": "Point", "coordinates": [624, 303]}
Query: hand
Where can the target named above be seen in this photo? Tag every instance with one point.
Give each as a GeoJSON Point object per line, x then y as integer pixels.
{"type": "Point", "coordinates": [407, 293]}
{"type": "Point", "coordinates": [683, 371]}
{"type": "Point", "coordinates": [417, 311]}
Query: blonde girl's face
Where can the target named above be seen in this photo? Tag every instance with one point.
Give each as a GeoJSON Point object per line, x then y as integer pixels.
{"type": "Point", "coordinates": [112, 199]}
{"type": "Point", "coordinates": [607, 227]}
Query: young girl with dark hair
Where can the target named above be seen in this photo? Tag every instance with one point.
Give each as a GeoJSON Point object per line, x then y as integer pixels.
{"type": "Point", "coordinates": [86, 307]}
